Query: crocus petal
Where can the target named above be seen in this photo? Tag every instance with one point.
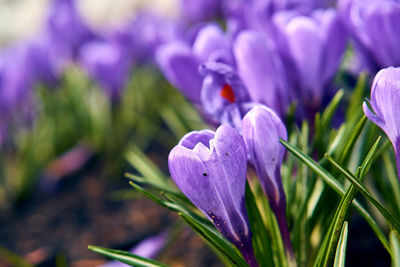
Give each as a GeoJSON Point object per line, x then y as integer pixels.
{"type": "Point", "coordinates": [210, 38]}
{"type": "Point", "coordinates": [261, 70]}
{"type": "Point", "coordinates": [385, 104]}
{"type": "Point", "coordinates": [180, 66]}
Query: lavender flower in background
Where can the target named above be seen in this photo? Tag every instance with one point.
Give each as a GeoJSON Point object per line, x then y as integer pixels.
{"type": "Point", "coordinates": [261, 70]}
{"type": "Point", "coordinates": [262, 129]}
{"type": "Point", "coordinates": [210, 169]}
{"type": "Point", "coordinates": [66, 27]}
{"type": "Point", "coordinates": [200, 10]}
{"type": "Point", "coordinates": [140, 37]}
{"type": "Point", "coordinates": [107, 64]}
{"type": "Point", "coordinates": [148, 248]}
{"type": "Point", "coordinates": [47, 60]}
{"type": "Point", "coordinates": [17, 83]}
{"type": "Point", "coordinates": [375, 28]}
{"type": "Point", "coordinates": [312, 48]}
{"type": "Point", "coordinates": [224, 97]}
{"type": "Point", "coordinates": [180, 61]}
{"type": "Point", "coordinates": [384, 109]}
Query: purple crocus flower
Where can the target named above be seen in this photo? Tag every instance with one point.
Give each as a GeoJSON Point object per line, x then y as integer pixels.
{"type": "Point", "coordinates": [261, 70]}
{"type": "Point", "coordinates": [262, 129]}
{"type": "Point", "coordinates": [210, 169]}
{"type": "Point", "coordinates": [179, 61]}
{"type": "Point", "coordinates": [384, 108]}
{"type": "Point", "coordinates": [312, 48]}
{"type": "Point", "coordinates": [224, 97]}
{"type": "Point", "coordinates": [106, 63]}
{"type": "Point", "coordinates": [375, 28]}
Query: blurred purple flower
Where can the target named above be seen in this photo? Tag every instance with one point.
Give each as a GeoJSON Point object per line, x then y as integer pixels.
{"type": "Point", "coordinates": [262, 129]}
{"type": "Point", "coordinates": [375, 29]}
{"type": "Point", "coordinates": [66, 26]}
{"type": "Point", "coordinates": [17, 79]}
{"type": "Point", "coordinates": [210, 169]}
{"type": "Point", "coordinates": [261, 70]}
{"type": "Point", "coordinates": [200, 10]}
{"type": "Point", "coordinates": [106, 63]}
{"type": "Point", "coordinates": [148, 248]}
{"type": "Point", "coordinates": [384, 106]}
{"type": "Point", "coordinates": [312, 48]}
{"type": "Point", "coordinates": [46, 60]}
{"type": "Point", "coordinates": [224, 97]}
{"type": "Point", "coordinates": [140, 37]}
{"type": "Point", "coordinates": [180, 67]}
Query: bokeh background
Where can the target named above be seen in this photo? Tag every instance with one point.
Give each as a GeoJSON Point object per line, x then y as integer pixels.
{"type": "Point", "coordinates": [65, 143]}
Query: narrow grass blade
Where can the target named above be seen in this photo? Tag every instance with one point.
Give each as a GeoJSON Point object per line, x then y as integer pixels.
{"type": "Point", "coordinates": [145, 166]}
{"type": "Point", "coordinates": [344, 152]}
{"type": "Point", "coordinates": [392, 221]}
{"type": "Point", "coordinates": [340, 257]}
{"type": "Point", "coordinates": [213, 238]}
{"type": "Point", "coordinates": [126, 257]}
{"type": "Point", "coordinates": [225, 249]}
{"type": "Point", "coordinates": [395, 244]}
{"type": "Point", "coordinates": [329, 180]}
{"type": "Point", "coordinates": [261, 238]}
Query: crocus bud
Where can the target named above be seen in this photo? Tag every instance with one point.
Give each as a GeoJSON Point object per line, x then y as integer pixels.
{"type": "Point", "coordinates": [210, 169]}
{"type": "Point", "coordinates": [262, 129]}
{"type": "Point", "coordinates": [261, 70]}
{"type": "Point", "coordinates": [313, 47]}
{"type": "Point", "coordinates": [385, 106]}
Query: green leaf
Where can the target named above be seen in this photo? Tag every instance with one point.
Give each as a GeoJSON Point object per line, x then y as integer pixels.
{"type": "Point", "coordinates": [145, 166]}
{"type": "Point", "coordinates": [369, 159]}
{"type": "Point", "coordinates": [342, 210]}
{"type": "Point", "coordinates": [340, 256]}
{"type": "Point", "coordinates": [261, 238]}
{"type": "Point", "coordinates": [345, 151]}
{"type": "Point", "coordinates": [213, 238]}
{"type": "Point", "coordinates": [329, 180]}
{"type": "Point", "coordinates": [224, 248]}
{"type": "Point", "coordinates": [392, 221]}
{"type": "Point", "coordinates": [357, 97]}
{"type": "Point", "coordinates": [395, 245]}
{"type": "Point", "coordinates": [126, 257]}
{"type": "Point", "coordinates": [161, 187]}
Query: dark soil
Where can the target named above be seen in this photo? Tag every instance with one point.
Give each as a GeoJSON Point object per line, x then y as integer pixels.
{"type": "Point", "coordinates": [59, 225]}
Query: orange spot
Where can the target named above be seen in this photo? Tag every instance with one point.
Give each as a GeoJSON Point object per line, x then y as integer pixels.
{"type": "Point", "coordinates": [227, 93]}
